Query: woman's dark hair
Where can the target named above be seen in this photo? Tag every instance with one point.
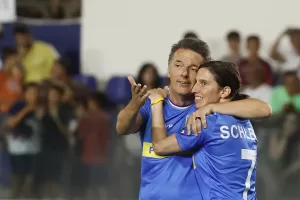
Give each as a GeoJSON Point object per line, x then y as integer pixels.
{"type": "Point", "coordinates": [226, 74]}
{"type": "Point", "coordinates": [98, 98]}
{"type": "Point", "coordinates": [156, 78]}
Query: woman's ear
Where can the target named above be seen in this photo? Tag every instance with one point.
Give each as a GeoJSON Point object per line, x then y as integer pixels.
{"type": "Point", "coordinates": [225, 92]}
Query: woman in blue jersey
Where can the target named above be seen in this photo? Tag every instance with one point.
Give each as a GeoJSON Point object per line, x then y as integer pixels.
{"type": "Point", "coordinates": [224, 155]}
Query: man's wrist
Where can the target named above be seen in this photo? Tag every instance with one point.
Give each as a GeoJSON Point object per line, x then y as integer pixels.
{"type": "Point", "coordinates": [133, 107]}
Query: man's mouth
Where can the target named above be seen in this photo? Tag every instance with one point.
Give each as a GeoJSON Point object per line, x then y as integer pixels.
{"type": "Point", "coordinates": [184, 83]}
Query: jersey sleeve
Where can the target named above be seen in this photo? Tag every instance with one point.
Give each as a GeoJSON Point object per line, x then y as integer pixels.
{"type": "Point", "coordinates": [192, 142]}
{"type": "Point", "coordinates": [145, 110]}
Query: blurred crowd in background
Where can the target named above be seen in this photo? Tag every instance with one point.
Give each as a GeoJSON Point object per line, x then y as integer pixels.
{"type": "Point", "coordinates": [49, 9]}
{"type": "Point", "coordinates": [57, 130]}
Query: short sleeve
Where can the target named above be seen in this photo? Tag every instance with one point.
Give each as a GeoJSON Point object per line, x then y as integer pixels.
{"type": "Point", "coordinates": [192, 142]}
{"type": "Point", "coordinates": [145, 110]}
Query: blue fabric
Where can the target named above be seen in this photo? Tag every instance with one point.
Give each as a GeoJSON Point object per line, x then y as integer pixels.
{"type": "Point", "coordinates": [118, 90]}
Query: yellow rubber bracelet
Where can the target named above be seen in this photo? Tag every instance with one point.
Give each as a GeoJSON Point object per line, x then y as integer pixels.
{"type": "Point", "coordinates": [157, 101]}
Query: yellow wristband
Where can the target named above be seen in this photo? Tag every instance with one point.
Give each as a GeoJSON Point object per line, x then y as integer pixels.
{"type": "Point", "coordinates": [157, 101]}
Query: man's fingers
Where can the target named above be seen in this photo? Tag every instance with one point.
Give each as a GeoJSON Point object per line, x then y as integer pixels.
{"type": "Point", "coordinates": [143, 91]}
{"type": "Point", "coordinates": [137, 89]}
{"type": "Point", "coordinates": [146, 95]}
{"type": "Point", "coordinates": [166, 91]}
{"type": "Point", "coordinates": [131, 81]}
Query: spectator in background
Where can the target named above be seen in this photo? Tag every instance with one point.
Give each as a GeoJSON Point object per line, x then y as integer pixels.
{"type": "Point", "coordinates": [190, 34]}
{"type": "Point", "coordinates": [253, 45]}
{"type": "Point", "coordinates": [148, 75]}
{"type": "Point", "coordinates": [233, 41]}
{"type": "Point", "coordinates": [54, 143]}
{"type": "Point", "coordinates": [294, 36]}
{"type": "Point", "coordinates": [10, 79]}
{"type": "Point", "coordinates": [291, 61]}
{"type": "Point", "coordinates": [94, 131]}
{"type": "Point", "coordinates": [286, 97]}
{"type": "Point", "coordinates": [37, 56]}
{"type": "Point", "coordinates": [56, 10]}
{"type": "Point", "coordinates": [61, 75]}
{"type": "Point", "coordinates": [23, 141]}
{"type": "Point", "coordinates": [256, 87]}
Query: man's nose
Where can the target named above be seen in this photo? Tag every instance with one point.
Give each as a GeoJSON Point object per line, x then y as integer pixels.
{"type": "Point", "coordinates": [185, 72]}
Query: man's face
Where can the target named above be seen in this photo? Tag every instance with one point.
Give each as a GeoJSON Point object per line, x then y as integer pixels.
{"type": "Point", "coordinates": [22, 40]}
{"type": "Point", "coordinates": [57, 71]}
{"type": "Point", "coordinates": [11, 61]}
{"type": "Point", "coordinates": [234, 44]}
{"type": "Point", "coordinates": [31, 95]}
{"type": "Point", "coordinates": [54, 96]}
{"type": "Point", "coordinates": [291, 83]}
{"type": "Point", "coordinates": [295, 40]}
{"type": "Point", "coordinates": [182, 70]}
{"type": "Point", "coordinates": [253, 46]}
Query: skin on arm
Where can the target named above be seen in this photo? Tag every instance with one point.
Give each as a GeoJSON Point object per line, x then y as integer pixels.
{"type": "Point", "coordinates": [249, 108]}
{"type": "Point", "coordinates": [129, 119]}
{"type": "Point", "coordinates": [162, 144]}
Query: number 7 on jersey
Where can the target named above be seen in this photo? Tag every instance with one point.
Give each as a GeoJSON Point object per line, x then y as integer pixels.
{"type": "Point", "coordinates": [248, 154]}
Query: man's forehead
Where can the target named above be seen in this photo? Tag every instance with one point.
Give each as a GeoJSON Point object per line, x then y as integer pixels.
{"type": "Point", "coordinates": [188, 58]}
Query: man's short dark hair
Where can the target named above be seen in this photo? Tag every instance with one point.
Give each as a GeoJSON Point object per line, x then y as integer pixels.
{"type": "Point", "coordinates": [57, 88]}
{"type": "Point", "coordinates": [290, 73]}
{"type": "Point", "coordinates": [190, 34]}
{"type": "Point", "coordinates": [8, 51]}
{"type": "Point", "coordinates": [21, 29]}
{"type": "Point", "coordinates": [98, 98]}
{"type": "Point", "coordinates": [196, 45]}
{"type": "Point", "coordinates": [253, 37]}
{"type": "Point", "coordinates": [65, 64]}
{"type": "Point", "coordinates": [30, 85]}
{"type": "Point", "coordinates": [233, 35]}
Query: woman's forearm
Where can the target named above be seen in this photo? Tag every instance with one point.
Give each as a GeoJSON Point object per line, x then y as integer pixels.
{"type": "Point", "coordinates": [158, 124]}
{"type": "Point", "coordinates": [247, 108]}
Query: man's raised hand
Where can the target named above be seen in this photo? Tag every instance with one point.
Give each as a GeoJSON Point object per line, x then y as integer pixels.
{"type": "Point", "coordinates": [139, 93]}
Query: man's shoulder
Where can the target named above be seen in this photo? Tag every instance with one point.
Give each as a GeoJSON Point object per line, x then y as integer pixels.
{"type": "Point", "coordinates": [44, 47]}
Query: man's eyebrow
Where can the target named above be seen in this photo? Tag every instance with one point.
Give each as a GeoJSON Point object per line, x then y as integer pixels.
{"type": "Point", "coordinates": [178, 61]}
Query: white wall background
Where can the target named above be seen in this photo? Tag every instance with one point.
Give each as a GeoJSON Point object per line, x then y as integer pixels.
{"type": "Point", "coordinates": [118, 35]}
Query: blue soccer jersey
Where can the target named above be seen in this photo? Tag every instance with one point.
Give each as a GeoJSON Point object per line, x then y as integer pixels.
{"type": "Point", "coordinates": [171, 177]}
{"type": "Point", "coordinates": [224, 158]}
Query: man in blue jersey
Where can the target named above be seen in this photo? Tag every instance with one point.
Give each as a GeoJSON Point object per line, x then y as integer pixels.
{"type": "Point", "coordinates": [171, 177]}
{"type": "Point", "coordinates": [225, 153]}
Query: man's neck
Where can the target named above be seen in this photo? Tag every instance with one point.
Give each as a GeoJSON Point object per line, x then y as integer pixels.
{"type": "Point", "coordinates": [181, 100]}
{"type": "Point", "coordinates": [253, 57]}
{"type": "Point", "coordinates": [254, 85]}
{"type": "Point", "coordinates": [234, 54]}
{"type": "Point", "coordinates": [64, 79]}
{"type": "Point", "coordinates": [53, 105]}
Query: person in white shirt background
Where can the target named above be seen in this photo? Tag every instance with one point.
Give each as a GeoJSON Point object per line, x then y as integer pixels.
{"type": "Point", "coordinates": [256, 86]}
{"type": "Point", "coordinates": [288, 60]}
